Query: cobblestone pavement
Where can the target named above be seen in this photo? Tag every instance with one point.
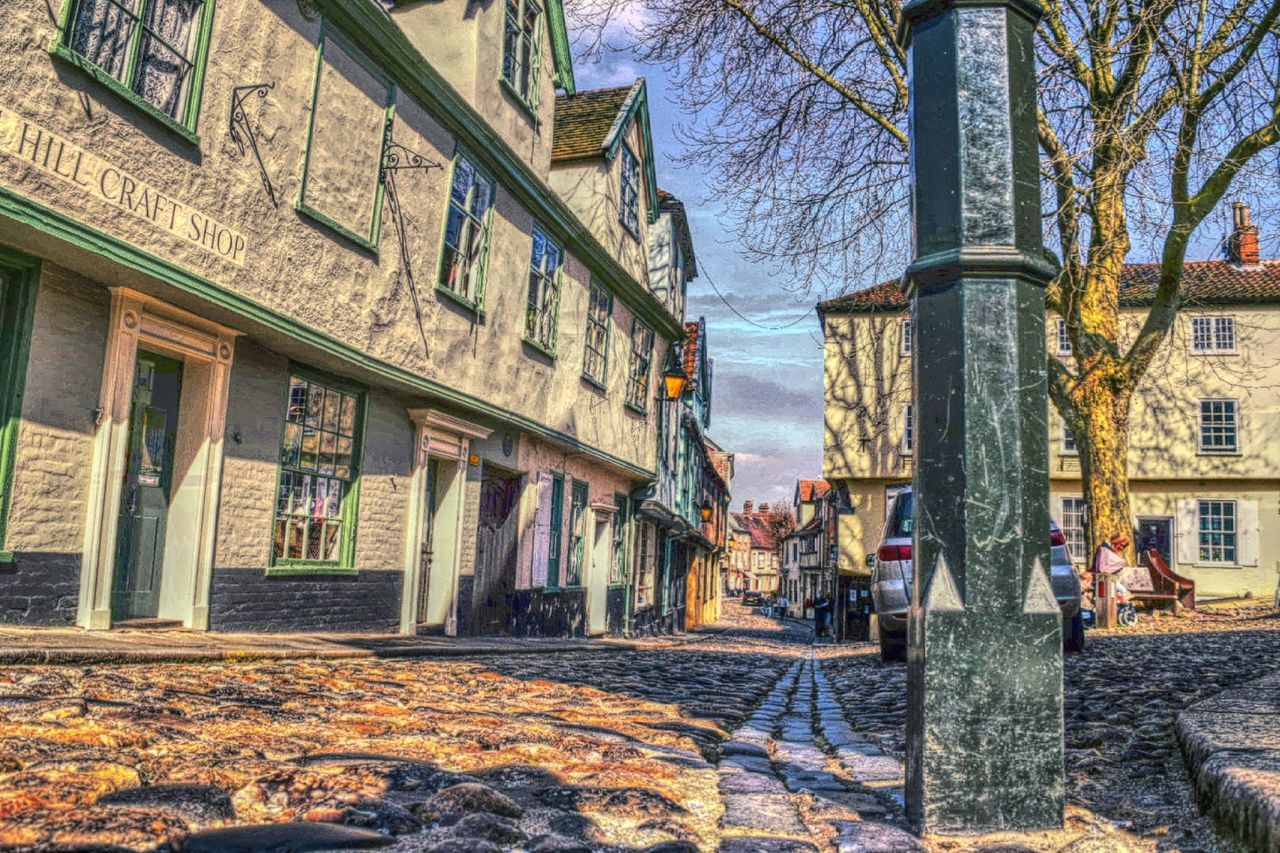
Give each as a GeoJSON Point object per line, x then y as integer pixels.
{"type": "Point", "coordinates": [746, 740]}
{"type": "Point", "coordinates": [1127, 786]}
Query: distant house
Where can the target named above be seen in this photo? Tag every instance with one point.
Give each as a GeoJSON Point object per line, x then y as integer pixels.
{"type": "Point", "coordinates": [763, 552]}
{"type": "Point", "coordinates": [1204, 464]}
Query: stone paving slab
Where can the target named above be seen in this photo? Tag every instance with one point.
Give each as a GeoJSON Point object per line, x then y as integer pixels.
{"type": "Point", "coordinates": [1232, 747]}
{"type": "Point", "coordinates": [23, 645]}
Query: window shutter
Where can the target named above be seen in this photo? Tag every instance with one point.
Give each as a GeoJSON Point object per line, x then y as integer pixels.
{"type": "Point", "coordinates": [1188, 532]}
{"type": "Point", "coordinates": [484, 250]}
{"type": "Point", "coordinates": [1247, 532]}
{"type": "Point", "coordinates": [542, 531]}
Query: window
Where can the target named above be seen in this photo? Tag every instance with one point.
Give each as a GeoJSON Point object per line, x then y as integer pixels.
{"type": "Point", "coordinates": [151, 52]}
{"type": "Point", "coordinates": [621, 522]}
{"type": "Point", "coordinates": [645, 559]}
{"type": "Point", "coordinates": [1218, 426]}
{"type": "Point", "coordinates": [544, 292]}
{"type": "Point", "coordinates": [1068, 441]}
{"type": "Point", "coordinates": [577, 535]}
{"type": "Point", "coordinates": [466, 234]}
{"type": "Point", "coordinates": [319, 469]}
{"type": "Point", "coordinates": [522, 50]}
{"type": "Point", "coordinates": [18, 282]}
{"type": "Point", "coordinates": [908, 342]}
{"type": "Point", "coordinates": [908, 428]}
{"type": "Point", "coordinates": [1075, 513]}
{"type": "Point", "coordinates": [1213, 334]}
{"type": "Point", "coordinates": [641, 358]}
{"type": "Point", "coordinates": [596, 359]}
{"type": "Point", "coordinates": [352, 107]}
{"type": "Point", "coordinates": [630, 178]}
{"type": "Point", "coordinates": [1217, 531]}
{"type": "Point", "coordinates": [1064, 340]}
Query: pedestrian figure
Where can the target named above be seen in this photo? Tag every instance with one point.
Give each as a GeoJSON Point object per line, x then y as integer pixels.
{"type": "Point", "coordinates": [821, 613]}
{"type": "Point", "coordinates": [783, 603]}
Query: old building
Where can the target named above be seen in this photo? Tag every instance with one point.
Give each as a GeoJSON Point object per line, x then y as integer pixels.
{"type": "Point", "coordinates": [309, 322]}
{"type": "Point", "coordinates": [759, 546]}
{"type": "Point", "coordinates": [806, 574]}
{"type": "Point", "coordinates": [1204, 469]}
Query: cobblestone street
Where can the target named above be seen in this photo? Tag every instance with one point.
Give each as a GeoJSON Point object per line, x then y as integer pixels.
{"type": "Point", "coordinates": [748, 739]}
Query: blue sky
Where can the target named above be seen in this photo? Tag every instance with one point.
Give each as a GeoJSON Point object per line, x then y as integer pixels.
{"type": "Point", "coordinates": [767, 395]}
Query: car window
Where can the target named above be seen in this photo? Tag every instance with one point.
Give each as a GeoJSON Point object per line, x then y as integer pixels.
{"type": "Point", "coordinates": [1058, 555]}
{"type": "Point", "coordinates": [900, 522]}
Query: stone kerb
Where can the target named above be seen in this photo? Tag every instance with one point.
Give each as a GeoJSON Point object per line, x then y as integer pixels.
{"type": "Point", "coordinates": [1231, 744]}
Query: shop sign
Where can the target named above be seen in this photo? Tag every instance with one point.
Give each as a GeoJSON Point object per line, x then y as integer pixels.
{"type": "Point", "coordinates": [52, 154]}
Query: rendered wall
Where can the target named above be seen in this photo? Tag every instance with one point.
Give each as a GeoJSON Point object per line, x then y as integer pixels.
{"type": "Point", "coordinates": [294, 265]}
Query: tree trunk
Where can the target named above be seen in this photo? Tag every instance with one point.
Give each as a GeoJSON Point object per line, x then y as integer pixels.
{"type": "Point", "coordinates": [1101, 404]}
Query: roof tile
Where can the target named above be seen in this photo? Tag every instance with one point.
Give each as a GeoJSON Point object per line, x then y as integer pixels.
{"type": "Point", "coordinates": [583, 122]}
{"type": "Point", "coordinates": [1206, 282]}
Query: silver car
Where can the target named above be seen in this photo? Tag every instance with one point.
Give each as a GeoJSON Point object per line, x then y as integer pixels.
{"type": "Point", "coordinates": [892, 574]}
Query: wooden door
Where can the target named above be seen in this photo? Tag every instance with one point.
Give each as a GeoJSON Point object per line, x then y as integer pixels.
{"type": "Point", "coordinates": [144, 506]}
{"type": "Point", "coordinates": [496, 556]}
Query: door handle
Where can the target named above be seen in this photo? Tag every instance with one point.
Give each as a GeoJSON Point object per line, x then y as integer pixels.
{"type": "Point", "coordinates": [131, 505]}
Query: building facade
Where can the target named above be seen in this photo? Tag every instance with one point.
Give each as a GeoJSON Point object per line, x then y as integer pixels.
{"type": "Point", "coordinates": [1204, 472]}
{"type": "Point", "coordinates": [760, 549]}
{"type": "Point", "coordinates": [307, 325]}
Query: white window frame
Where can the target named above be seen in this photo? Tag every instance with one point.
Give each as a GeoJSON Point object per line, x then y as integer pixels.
{"type": "Point", "coordinates": [906, 340]}
{"type": "Point", "coordinates": [1215, 450]}
{"type": "Point", "coordinates": [1063, 339]}
{"type": "Point", "coordinates": [908, 429]}
{"type": "Point", "coordinates": [1069, 447]}
{"type": "Point", "coordinates": [1213, 334]}
{"type": "Point", "coordinates": [1223, 549]}
{"type": "Point", "coordinates": [1073, 507]}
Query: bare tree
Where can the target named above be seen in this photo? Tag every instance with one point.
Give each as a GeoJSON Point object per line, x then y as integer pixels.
{"type": "Point", "coordinates": [1149, 111]}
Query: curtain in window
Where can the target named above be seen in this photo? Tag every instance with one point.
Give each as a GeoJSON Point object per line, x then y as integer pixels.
{"type": "Point", "coordinates": [163, 60]}
{"type": "Point", "coordinates": [102, 33]}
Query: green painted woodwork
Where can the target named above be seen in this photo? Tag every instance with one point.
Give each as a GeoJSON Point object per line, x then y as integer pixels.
{"type": "Point", "coordinates": [144, 508]}
{"type": "Point", "coordinates": [636, 108]}
{"type": "Point", "coordinates": [561, 55]}
{"type": "Point", "coordinates": [19, 281]}
{"type": "Point", "coordinates": [577, 535]}
{"type": "Point", "coordinates": [59, 225]}
{"type": "Point", "coordinates": [368, 240]}
{"type": "Point", "coordinates": [556, 533]}
{"type": "Point", "coordinates": [530, 103]}
{"type": "Point", "coordinates": [184, 127]}
{"type": "Point", "coordinates": [381, 40]}
{"type": "Point", "coordinates": [350, 511]}
{"type": "Point", "coordinates": [984, 709]}
{"type": "Point", "coordinates": [475, 306]}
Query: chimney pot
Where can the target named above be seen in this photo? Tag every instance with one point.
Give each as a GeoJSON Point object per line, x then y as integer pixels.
{"type": "Point", "coordinates": [764, 507]}
{"type": "Point", "coordinates": [1242, 245]}
{"type": "Point", "coordinates": [747, 506]}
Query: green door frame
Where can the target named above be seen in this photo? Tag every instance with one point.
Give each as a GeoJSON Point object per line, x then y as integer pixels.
{"type": "Point", "coordinates": [19, 281]}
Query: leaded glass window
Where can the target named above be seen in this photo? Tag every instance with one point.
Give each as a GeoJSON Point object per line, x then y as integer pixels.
{"type": "Point", "coordinates": [1217, 531]}
{"type": "Point", "coordinates": [908, 428]}
{"type": "Point", "coordinates": [319, 460]}
{"type": "Point", "coordinates": [641, 359]}
{"type": "Point", "coordinates": [1218, 426]}
{"type": "Point", "coordinates": [577, 535]}
{"type": "Point", "coordinates": [544, 291]}
{"type": "Point", "coordinates": [1064, 340]}
{"type": "Point", "coordinates": [148, 46]}
{"type": "Point", "coordinates": [630, 178]}
{"type": "Point", "coordinates": [596, 358]}
{"type": "Point", "coordinates": [522, 42]}
{"type": "Point", "coordinates": [466, 233]}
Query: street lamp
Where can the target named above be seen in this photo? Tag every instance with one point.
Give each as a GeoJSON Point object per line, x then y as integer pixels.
{"type": "Point", "coordinates": [705, 509]}
{"type": "Point", "coordinates": [674, 378]}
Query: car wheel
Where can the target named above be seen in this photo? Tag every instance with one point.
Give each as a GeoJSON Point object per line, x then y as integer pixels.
{"type": "Point", "coordinates": [892, 648]}
{"type": "Point", "coordinates": [1073, 634]}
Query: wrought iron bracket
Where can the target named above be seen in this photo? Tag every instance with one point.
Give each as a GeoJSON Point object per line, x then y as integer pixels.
{"type": "Point", "coordinates": [243, 134]}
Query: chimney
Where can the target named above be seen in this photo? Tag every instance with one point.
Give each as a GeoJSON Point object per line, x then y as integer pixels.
{"type": "Point", "coordinates": [1242, 245]}
{"type": "Point", "coordinates": [746, 507]}
{"type": "Point", "coordinates": [764, 508]}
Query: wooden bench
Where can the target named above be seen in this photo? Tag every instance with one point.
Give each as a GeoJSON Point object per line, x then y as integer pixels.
{"type": "Point", "coordinates": [1157, 585]}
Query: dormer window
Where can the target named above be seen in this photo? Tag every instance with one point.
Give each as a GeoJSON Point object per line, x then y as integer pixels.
{"type": "Point", "coordinates": [522, 51]}
{"type": "Point", "coordinates": [630, 194]}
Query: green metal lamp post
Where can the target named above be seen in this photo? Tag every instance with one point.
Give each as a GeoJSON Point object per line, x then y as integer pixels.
{"type": "Point", "coordinates": [984, 718]}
